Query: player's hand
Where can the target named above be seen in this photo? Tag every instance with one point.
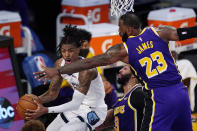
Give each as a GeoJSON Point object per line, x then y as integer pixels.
{"type": "Point", "coordinates": [33, 114]}
{"type": "Point", "coordinates": [46, 74]}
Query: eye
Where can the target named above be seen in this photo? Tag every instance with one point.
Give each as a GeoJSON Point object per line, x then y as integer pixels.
{"type": "Point", "coordinates": [71, 50]}
{"type": "Point", "coordinates": [62, 50]}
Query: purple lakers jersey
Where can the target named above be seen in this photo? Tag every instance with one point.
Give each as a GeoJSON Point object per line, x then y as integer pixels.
{"type": "Point", "coordinates": [128, 116]}
{"type": "Point", "coordinates": [151, 60]}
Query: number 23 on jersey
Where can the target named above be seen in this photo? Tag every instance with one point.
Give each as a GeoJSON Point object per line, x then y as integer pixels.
{"type": "Point", "coordinates": [147, 61]}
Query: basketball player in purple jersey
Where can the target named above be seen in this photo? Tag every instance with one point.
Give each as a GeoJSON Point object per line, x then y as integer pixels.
{"type": "Point", "coordinates": [167, 107]}
{"type": "Point", "coordinates": [127, 113]}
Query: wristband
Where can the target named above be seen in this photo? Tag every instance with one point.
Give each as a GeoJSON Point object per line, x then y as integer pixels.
{"type": "Point", "coordinates": [187, 33]}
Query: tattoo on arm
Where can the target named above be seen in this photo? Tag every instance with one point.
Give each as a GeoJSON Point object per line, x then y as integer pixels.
{"type": "Point", "coordinates": [112, 55]}
{"type": "Point", "coordinates": [85, 78]}
{"type": "Point", "coordinates": [54, 88]}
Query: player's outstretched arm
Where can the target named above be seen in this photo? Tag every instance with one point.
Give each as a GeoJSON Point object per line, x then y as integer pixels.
{"type": "Point", "coordinates": [112, 55]}
{"type": "Point", "coordinates": [85, 78]}
{"type": "Point", "coordinates": [169, 33]}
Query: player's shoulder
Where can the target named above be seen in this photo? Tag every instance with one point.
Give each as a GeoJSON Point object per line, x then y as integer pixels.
{"type": "Point", "coordinates": [137, 94]}
{"type": "Point", "coordinates": [58, 62]}
{"type": "Point", "coordinates": [138, 89]}
{"type": "Point", "coordinates": [90, 73]}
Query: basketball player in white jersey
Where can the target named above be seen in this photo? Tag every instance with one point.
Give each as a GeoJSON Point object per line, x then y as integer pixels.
{"type": "Point", "coordinates": [87, 110]}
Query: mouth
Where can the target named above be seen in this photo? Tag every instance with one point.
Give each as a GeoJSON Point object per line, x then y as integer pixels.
{"type": "Point", "coordinates": [68, 61]}
{"type": "Point", "coordinates": [119, 76]}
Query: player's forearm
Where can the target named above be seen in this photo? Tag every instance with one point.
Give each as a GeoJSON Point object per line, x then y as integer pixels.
{"type": "Point", "coordinates": [47, 97]}
{"type": "Point", "coordinates": [109, 121]}
{"type": "Point", "coordinates": [80, 65]}
{"type": "Point", "coordinates": [70, 106]}
{"type": "Point", "coordinates": [112, 55]}
{"type": "Point", "coordinates": [53, 90]}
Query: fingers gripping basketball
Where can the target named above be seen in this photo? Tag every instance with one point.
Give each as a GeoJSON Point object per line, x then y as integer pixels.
{"type": "Point", "coordinates": [27, 102]}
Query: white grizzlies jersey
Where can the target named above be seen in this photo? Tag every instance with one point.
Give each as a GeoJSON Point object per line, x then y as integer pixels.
{"type": "Point", "coordinates": [96, 93]}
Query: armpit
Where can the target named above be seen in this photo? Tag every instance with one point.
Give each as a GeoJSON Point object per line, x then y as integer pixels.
{"type": "Point", "coordinates": [85, 78]}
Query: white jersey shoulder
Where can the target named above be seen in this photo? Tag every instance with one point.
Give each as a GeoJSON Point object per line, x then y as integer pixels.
{"type": "Point", "coordinates": [96, 93]}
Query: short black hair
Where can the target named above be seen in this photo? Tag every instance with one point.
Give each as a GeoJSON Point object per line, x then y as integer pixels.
{"type": "Point", "coordinates": [71, 36]}
{"type": "Point", "coordinates": [131, 20]}
{"type": "Point", "coordinates": [84, 35]}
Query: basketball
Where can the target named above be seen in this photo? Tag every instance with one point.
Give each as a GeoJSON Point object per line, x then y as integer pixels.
{"type": "Point", "coordinates": [26, 102]}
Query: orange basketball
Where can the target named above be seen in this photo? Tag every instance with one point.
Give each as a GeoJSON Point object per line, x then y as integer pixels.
{"type": "Point", "coordinates": [26, 102]}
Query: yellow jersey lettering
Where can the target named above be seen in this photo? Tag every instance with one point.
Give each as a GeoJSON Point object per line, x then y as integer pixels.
{"type": "Point", "coordinates": [144, 46]}
{"type": "Point", "coordinates": [147, 61]}
{"type": "Point", "coordinates": [141, 49]}
{"type": "Point", "coordinates": [119, 109]}
{"type": "Point", "coordinates": [147, 44]}
{"type": "Point", "coordinates": [122, 109]}
{"type": "Point", "coordinates": [116, 110]}
{"type": "Point", "coordinates": [151, 44]}
{"type": "Point", "coordinates": [139, 52]}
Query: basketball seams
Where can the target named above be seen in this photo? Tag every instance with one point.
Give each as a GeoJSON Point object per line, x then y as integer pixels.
{"type": "Point", "coordinates": [25, 102]}
{"type": "Point", "coordinates": [22, 110]}
{"type": "Point", "coordinates": [28, 101]}
{"type": "Point", "coordinates": [20, 106]}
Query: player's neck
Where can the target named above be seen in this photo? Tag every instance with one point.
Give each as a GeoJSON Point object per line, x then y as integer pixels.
{"type": "Point", "coordinates": [129, 86]}
{"type": "Point", "coordinates": [138, 32]}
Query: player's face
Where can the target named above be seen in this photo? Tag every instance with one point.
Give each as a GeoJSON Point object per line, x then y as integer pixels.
{"type": "Point", "coordinates": [124, 75]}
{"type": "Point", "coordinates": [123, 31]}
{"type": "Point", "coordinates": [124, 71]}
{"type": "Point", "coordinates": [84, 49]}
{"type": "Point", "coordinates": [85, 45]}
{"type": "Point", "coordinates": [122, 28]}
{"type": "Point", "coordinates": [70, 53]}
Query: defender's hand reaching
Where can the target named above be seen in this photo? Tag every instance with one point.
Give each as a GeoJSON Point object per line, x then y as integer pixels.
{"type": "Point", "coordinates": [46, 74]}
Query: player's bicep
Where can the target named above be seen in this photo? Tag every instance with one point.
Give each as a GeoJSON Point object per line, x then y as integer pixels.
{"type": "Point", "coordinates": [116, 53]}
{"type": "Point", "coordinates": [85, 78]}
{"type": "Point", "coordinates": [168, 33]}
{"type": "Point", "coordinates": [55, 83]}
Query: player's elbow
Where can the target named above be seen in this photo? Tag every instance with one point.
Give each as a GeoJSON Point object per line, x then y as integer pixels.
{"type": "Point", "coordinates": [110, 58]}
{"type": "Point", "coordinates": [173, 36]}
